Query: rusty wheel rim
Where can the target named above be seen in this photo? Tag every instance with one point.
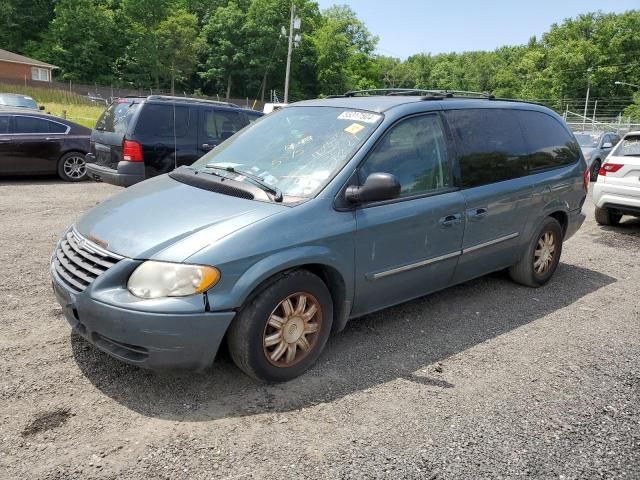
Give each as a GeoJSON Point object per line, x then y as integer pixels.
{"type": "Point", "coordinates": [544, 253]}
{"type": "Point", "coordinates": [292, 329]}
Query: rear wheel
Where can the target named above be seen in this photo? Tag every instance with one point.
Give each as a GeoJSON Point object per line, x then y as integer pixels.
{"type": "Point", "coordinates": [72, 167]}
{"type": "Point", "coordinates": [595, 168]}
{"type": "Point", "coordinates": [281, 332]}
{"type": "Point", "coordinates": [541, 259]}
{"type": "Point", "coordinates": [604, 216]}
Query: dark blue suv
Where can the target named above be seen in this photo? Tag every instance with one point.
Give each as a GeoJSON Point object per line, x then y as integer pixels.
{"type": "Point", "coordinates": [138, 138]}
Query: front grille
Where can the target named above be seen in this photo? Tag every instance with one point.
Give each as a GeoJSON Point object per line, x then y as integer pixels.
{"type": "Point", "coordinates": [79, 262]}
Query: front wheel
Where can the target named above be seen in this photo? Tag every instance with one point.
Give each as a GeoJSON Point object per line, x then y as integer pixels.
{"type": "Point", "coordinates": [281, 332]}
{"type": "Point", "coordinates": [539, 263]}
{"type": "Point", "coordinates": [72, 167]}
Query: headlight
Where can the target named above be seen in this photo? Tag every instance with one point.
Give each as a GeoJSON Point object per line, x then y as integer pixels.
{"type": "Point", "coordinates": [163, 279]}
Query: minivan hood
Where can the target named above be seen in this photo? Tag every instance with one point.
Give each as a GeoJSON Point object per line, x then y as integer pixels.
{"type": "Point", "coordinates": [167, 220]}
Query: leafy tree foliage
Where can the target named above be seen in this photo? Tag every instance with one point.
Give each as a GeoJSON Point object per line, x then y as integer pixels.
{"type": "Point", "coordinates": [235, 48]}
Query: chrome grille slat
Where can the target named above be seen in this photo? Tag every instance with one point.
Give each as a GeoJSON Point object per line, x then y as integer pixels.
{"type": "Point", "coordinates": [77, 259]}
{"type": "Point", "coordinates": [79, 262]}
{"type": "Point", "coordinates": [89, 256]}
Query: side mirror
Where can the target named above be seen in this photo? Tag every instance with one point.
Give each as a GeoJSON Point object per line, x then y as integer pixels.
{"type": "Point", "coordinates": [607, 145]}
{"type": "Point", "coordinates": [377, 187]}
{"type": "Point", "coordinates": [41, 107]}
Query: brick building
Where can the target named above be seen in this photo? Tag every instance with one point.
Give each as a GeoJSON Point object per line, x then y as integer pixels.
{"type": "Point", "coordinates": [14, 67]}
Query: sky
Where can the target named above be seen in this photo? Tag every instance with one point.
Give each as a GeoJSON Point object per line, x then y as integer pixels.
{"type": "Point", "coordinates": [407, 27]}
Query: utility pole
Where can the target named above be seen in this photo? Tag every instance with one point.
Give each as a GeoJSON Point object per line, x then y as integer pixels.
{"type": "Point", "coordinates": [586, 101]}
{"type": "Point", "coordinates": [294, 25]}
{"type": "Point", "coordinates": [593, 120]}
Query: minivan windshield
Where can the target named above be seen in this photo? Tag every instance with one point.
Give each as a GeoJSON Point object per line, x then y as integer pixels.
{"type": "Point", "coordinates": [628, 147]}
{"type": "Point", "coordinates": [296, 150]}
{"type": "Point", "coordinates": [117, 116]}
{"type": "Point", "coordinates": [587, 140]}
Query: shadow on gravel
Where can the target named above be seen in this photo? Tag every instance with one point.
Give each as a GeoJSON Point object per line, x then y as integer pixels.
{"type": "Point", "coordinates": [8, 181]}
{"type": "Point", "coordinates": [624, 235]}
{"type": "Point", "coordinates": [396, 343]}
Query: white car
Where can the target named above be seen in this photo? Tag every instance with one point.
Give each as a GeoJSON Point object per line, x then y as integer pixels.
{"type": "Point", "coordinates": [617, 191]}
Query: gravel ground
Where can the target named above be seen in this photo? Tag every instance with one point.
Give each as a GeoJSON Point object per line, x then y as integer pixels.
{"type": "Point", "coordinates": [484, 380]}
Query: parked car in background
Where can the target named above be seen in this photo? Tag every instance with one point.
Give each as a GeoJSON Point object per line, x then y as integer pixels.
{"type": "Point", "coordinates": [37, 143]}
{"type": "Point", "coordinates": [322, 211]}
{"type": "Point", "coordinates": [595, 148]}
{"type": "Point", "coordinates": [14, 100]}
{"type": "Point", "coordinates": [617, 191]}
{"type": "Point", "coordinates": [138, 138]}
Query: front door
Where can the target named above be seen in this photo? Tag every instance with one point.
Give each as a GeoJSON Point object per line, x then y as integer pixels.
{"type": "Point", "coordinates": [37, 144]}
{"type": "Point", "coordinates": [410, 246]}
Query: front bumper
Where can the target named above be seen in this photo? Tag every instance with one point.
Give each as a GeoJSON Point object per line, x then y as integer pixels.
{"type": "Point", "coordinates": [147, 339]}
{"type": "Point", "coordinates": [127, 174]}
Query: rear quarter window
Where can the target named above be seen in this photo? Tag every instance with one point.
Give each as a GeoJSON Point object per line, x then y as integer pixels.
{"type": "Point", "coordinates": [549, 143]}
{"type": "Point", "coordinates": [158, 121]}
{"type": "Point", "coordinates": [490, 145]}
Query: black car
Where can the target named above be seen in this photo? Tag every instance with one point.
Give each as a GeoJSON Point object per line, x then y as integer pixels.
{"type": "Point", "coordinates": [138, 138]}
{"type": "Point", "coordinates": [36, 143]}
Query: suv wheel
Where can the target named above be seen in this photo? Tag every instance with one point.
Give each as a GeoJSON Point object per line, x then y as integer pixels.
{"type": "Point", "coordinates": [595, 168]}
{"type": "Point", "coordinates": [604, 216]}
{"type": "Point", "coordinates": [281, 332]}
{"type": "Point", "coordinates": [539, 263]}
{"type": "Point", "coordinates": [72, 167]}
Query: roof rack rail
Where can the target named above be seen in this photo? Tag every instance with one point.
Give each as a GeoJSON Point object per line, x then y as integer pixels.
{"type": "Point", "coordinates": [191, 99]}
{"type": "Point", "coordinates": [427, 93]}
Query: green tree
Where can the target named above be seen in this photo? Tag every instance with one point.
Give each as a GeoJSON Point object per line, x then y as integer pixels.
{"type": "Point", "coordinates": [23, 22]}
{"type": "Point", "coordinates": [177, 44]}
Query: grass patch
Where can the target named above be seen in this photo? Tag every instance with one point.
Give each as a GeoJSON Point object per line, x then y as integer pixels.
{"type": "Point", "coordinates": [78, 108]}
{"type": "Point", "coordinates": [86, 115]}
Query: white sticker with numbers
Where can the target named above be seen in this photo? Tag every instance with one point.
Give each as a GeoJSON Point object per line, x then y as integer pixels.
{"type": "Point", "coordinates": [360, 117]}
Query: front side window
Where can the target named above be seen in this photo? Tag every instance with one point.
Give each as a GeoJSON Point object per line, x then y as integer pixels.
{"type": "Point", "coordinates": [415, 151]}
{"type": "Point", "coordinates": [490, 145]}
{"type": "Point", "coordinates": [297, 150]}
{"type": "Point", "coordinates": [549, 143]}
{"type": "Point", "coordinates": [218, 125]}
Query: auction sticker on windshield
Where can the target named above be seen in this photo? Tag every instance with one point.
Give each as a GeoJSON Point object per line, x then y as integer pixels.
{"type": "Point", "coordinates": [360, 117]}
{"type": "Point", "coordinates": [354, 128]}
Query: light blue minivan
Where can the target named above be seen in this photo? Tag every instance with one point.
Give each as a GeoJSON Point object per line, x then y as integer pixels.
{"type": "Point", "coordinates": [321, 212]}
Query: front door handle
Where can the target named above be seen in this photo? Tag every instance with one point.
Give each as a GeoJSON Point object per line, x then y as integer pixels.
{"type": "Point", "coordinates": [476, 214]}
{"type": "Point", "coordinates": [450, 220]}
{"type": "Point", "coordinates": [207, 146]}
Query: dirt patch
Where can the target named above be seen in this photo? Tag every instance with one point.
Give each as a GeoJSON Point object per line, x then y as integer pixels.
{"type": "Point", "coordinates": [47, 421]}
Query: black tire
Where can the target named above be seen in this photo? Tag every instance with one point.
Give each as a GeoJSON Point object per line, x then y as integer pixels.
{"type": "Point", "coordinates": [595, 168]}
{"type": "Point", "coordinates": [526, 271]}
{"type": "Point", "coordinates": [72, 167]}
{"type": "Point", "coordinates": [604, 216]}
{"type": "Point", "coordinates": [252, 328]}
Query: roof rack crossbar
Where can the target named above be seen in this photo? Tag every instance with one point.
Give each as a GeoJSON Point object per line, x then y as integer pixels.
{"type": "Point", "coordinates": [191, 99]}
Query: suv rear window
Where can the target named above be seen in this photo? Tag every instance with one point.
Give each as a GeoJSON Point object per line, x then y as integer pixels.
{"type": "Point", "coordinates": [629, 147]}
{"type": "Point", "coordinates": [490, 145]}
{"type": "Point", "coordinates": [117, 117]}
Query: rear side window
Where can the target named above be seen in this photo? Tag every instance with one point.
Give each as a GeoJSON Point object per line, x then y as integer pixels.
{"type": "Point", "coordinates": [4, 124]}
{"type": "Point", "coordinates": [37, 125]}
{"type": "Point", "coordinates": [117, 117]}
{"type": "Point", "coordinates": [549, 143]}
{"type": "Point", "coordinates": [158, 120]}
{"type": "Point", "coordinates": [218, 125]}
{"type": "Point", "coordinates": [490, 145]}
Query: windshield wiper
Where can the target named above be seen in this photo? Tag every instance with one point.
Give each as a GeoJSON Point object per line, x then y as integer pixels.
{"type": "Point", "coordinates": [277, 194]}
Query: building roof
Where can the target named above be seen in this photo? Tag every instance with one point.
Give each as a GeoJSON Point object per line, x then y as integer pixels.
{"type": "Point", "coordinates": [7, 56]}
